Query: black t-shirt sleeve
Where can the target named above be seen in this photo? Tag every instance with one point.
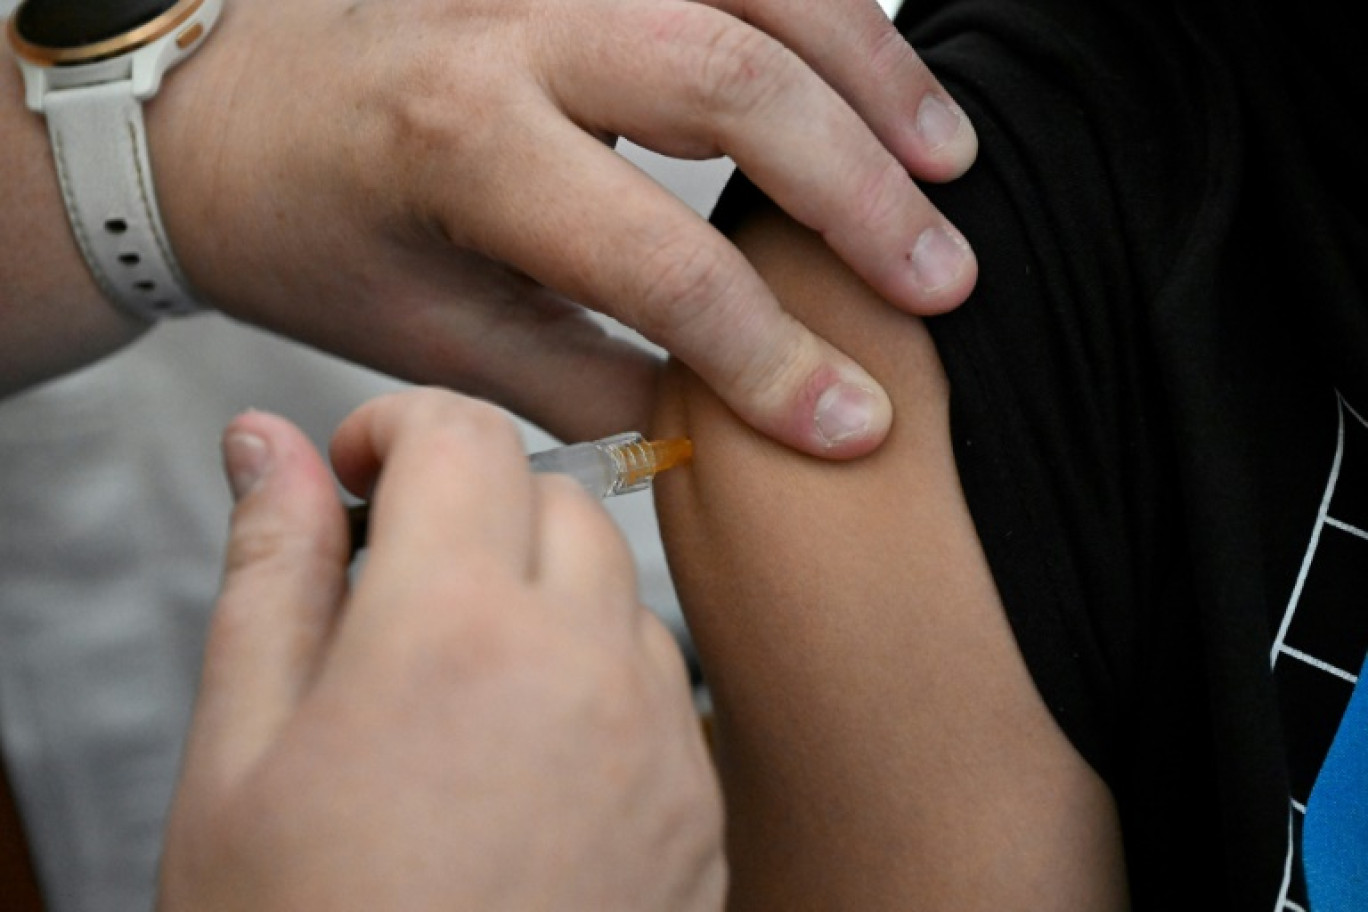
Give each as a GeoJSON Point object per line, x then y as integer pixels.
{"type": "Point", "coordinates": [1104, 192]}
{"type": "Point", "coordinates": [1079, 206]}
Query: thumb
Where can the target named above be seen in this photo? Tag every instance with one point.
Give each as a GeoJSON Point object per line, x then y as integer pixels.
{"type": "Point", "coordinates": [660, 268]}
{"type": "Point", "coordinates": [284, 580]}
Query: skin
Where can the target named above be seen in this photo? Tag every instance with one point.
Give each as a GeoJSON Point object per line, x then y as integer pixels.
{"type": "Point", "coordinates": [421, 187]}
{"type": "Point", "coordinates": [879, 739]}
{"type": "Point", "coordinates": [485, 719]}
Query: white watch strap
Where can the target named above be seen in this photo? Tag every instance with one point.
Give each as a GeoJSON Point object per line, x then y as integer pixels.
{"type": "Point", "coordinates": [100, 147]}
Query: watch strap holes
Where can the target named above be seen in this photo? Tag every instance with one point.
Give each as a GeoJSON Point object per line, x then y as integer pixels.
{"type": "Point", "coordinates": [116, 226]}
{"type": "Point", "coordinates": [146, 285]}
{"type": "Point", "coordinates": [130, 259]}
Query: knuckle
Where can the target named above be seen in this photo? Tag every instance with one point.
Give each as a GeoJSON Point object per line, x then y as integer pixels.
{"type": "Point", "coordinates": [740, 69]}
{"type": "Point", "coordinates": [572, 515]}
{"type": "Point", "coordinates": [260, 547]}
{"type": "Point", "coordinates": [774, 374]}
{"type": "Point", "coordinates": [890, 58]}
{"type": "Point", "coordinates": [420, 89]}
{"type": "Point", "coordinates": [683, 284]}
{"type": "Point", "coordinates": [880, 198]}
{"type": "Point", "coordinates": [259, 564]}
{"type": "Point", "coordinates": [445, 423]}
{"type": "Point", "coordinates": [425, 112]}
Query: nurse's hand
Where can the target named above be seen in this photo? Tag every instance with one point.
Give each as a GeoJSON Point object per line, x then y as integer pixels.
{"type": "Point", "coordinates": [424, 186]}
{"type": "Point", "coordinates": [487, 719]}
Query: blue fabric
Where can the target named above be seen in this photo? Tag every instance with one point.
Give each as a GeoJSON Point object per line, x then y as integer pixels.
{"type": "Point", "coordinates": [1335, 833]}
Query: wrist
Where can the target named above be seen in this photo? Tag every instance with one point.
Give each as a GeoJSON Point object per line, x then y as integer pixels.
{"type": "Point", "coordinates": [88, 70]}
{"type": "Point", "coordinates": [53, 317]}
{"type": "Point", "coordinates": [187, 123]}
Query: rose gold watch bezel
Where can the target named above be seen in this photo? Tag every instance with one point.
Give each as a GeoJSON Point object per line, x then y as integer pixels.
{"type": "Point", "coordinates": [129, 41]}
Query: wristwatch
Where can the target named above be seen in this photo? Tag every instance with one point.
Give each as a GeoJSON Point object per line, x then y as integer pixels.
{"type": "Point", "coordinates": [88, 65]}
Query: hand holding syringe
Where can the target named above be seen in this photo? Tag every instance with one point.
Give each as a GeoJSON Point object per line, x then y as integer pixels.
{"type": "Point", "coordinates": [614, 465]}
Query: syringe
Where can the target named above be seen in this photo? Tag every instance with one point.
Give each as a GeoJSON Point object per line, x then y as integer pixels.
{"type": "Point", "coordinates": [614, 465]}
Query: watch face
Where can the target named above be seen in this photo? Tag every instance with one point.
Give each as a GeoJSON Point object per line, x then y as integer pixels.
{"type": "Point", "coordinates": [65, 24]}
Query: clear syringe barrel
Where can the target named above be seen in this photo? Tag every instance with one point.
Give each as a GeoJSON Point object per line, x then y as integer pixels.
{"type": "Point", "coordinates": [613, 465]}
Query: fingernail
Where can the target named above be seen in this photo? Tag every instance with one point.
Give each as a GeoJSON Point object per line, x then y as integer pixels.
{"type": "Point", "coordinates": [938, 257]}
{"type": "Point", "coordinates": [846, 412]}
{"type": "Point", "coordinates": [246, 460]}
{"type": "Point", "coordinates": [938, 121]}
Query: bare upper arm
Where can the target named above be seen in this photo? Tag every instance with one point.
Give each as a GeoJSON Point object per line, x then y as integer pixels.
{"type": "Point", "coordinates": [879, 737]}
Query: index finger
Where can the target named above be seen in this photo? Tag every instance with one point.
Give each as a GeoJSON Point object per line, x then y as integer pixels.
{"type": "Point", "coordinates": [451, 483]}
